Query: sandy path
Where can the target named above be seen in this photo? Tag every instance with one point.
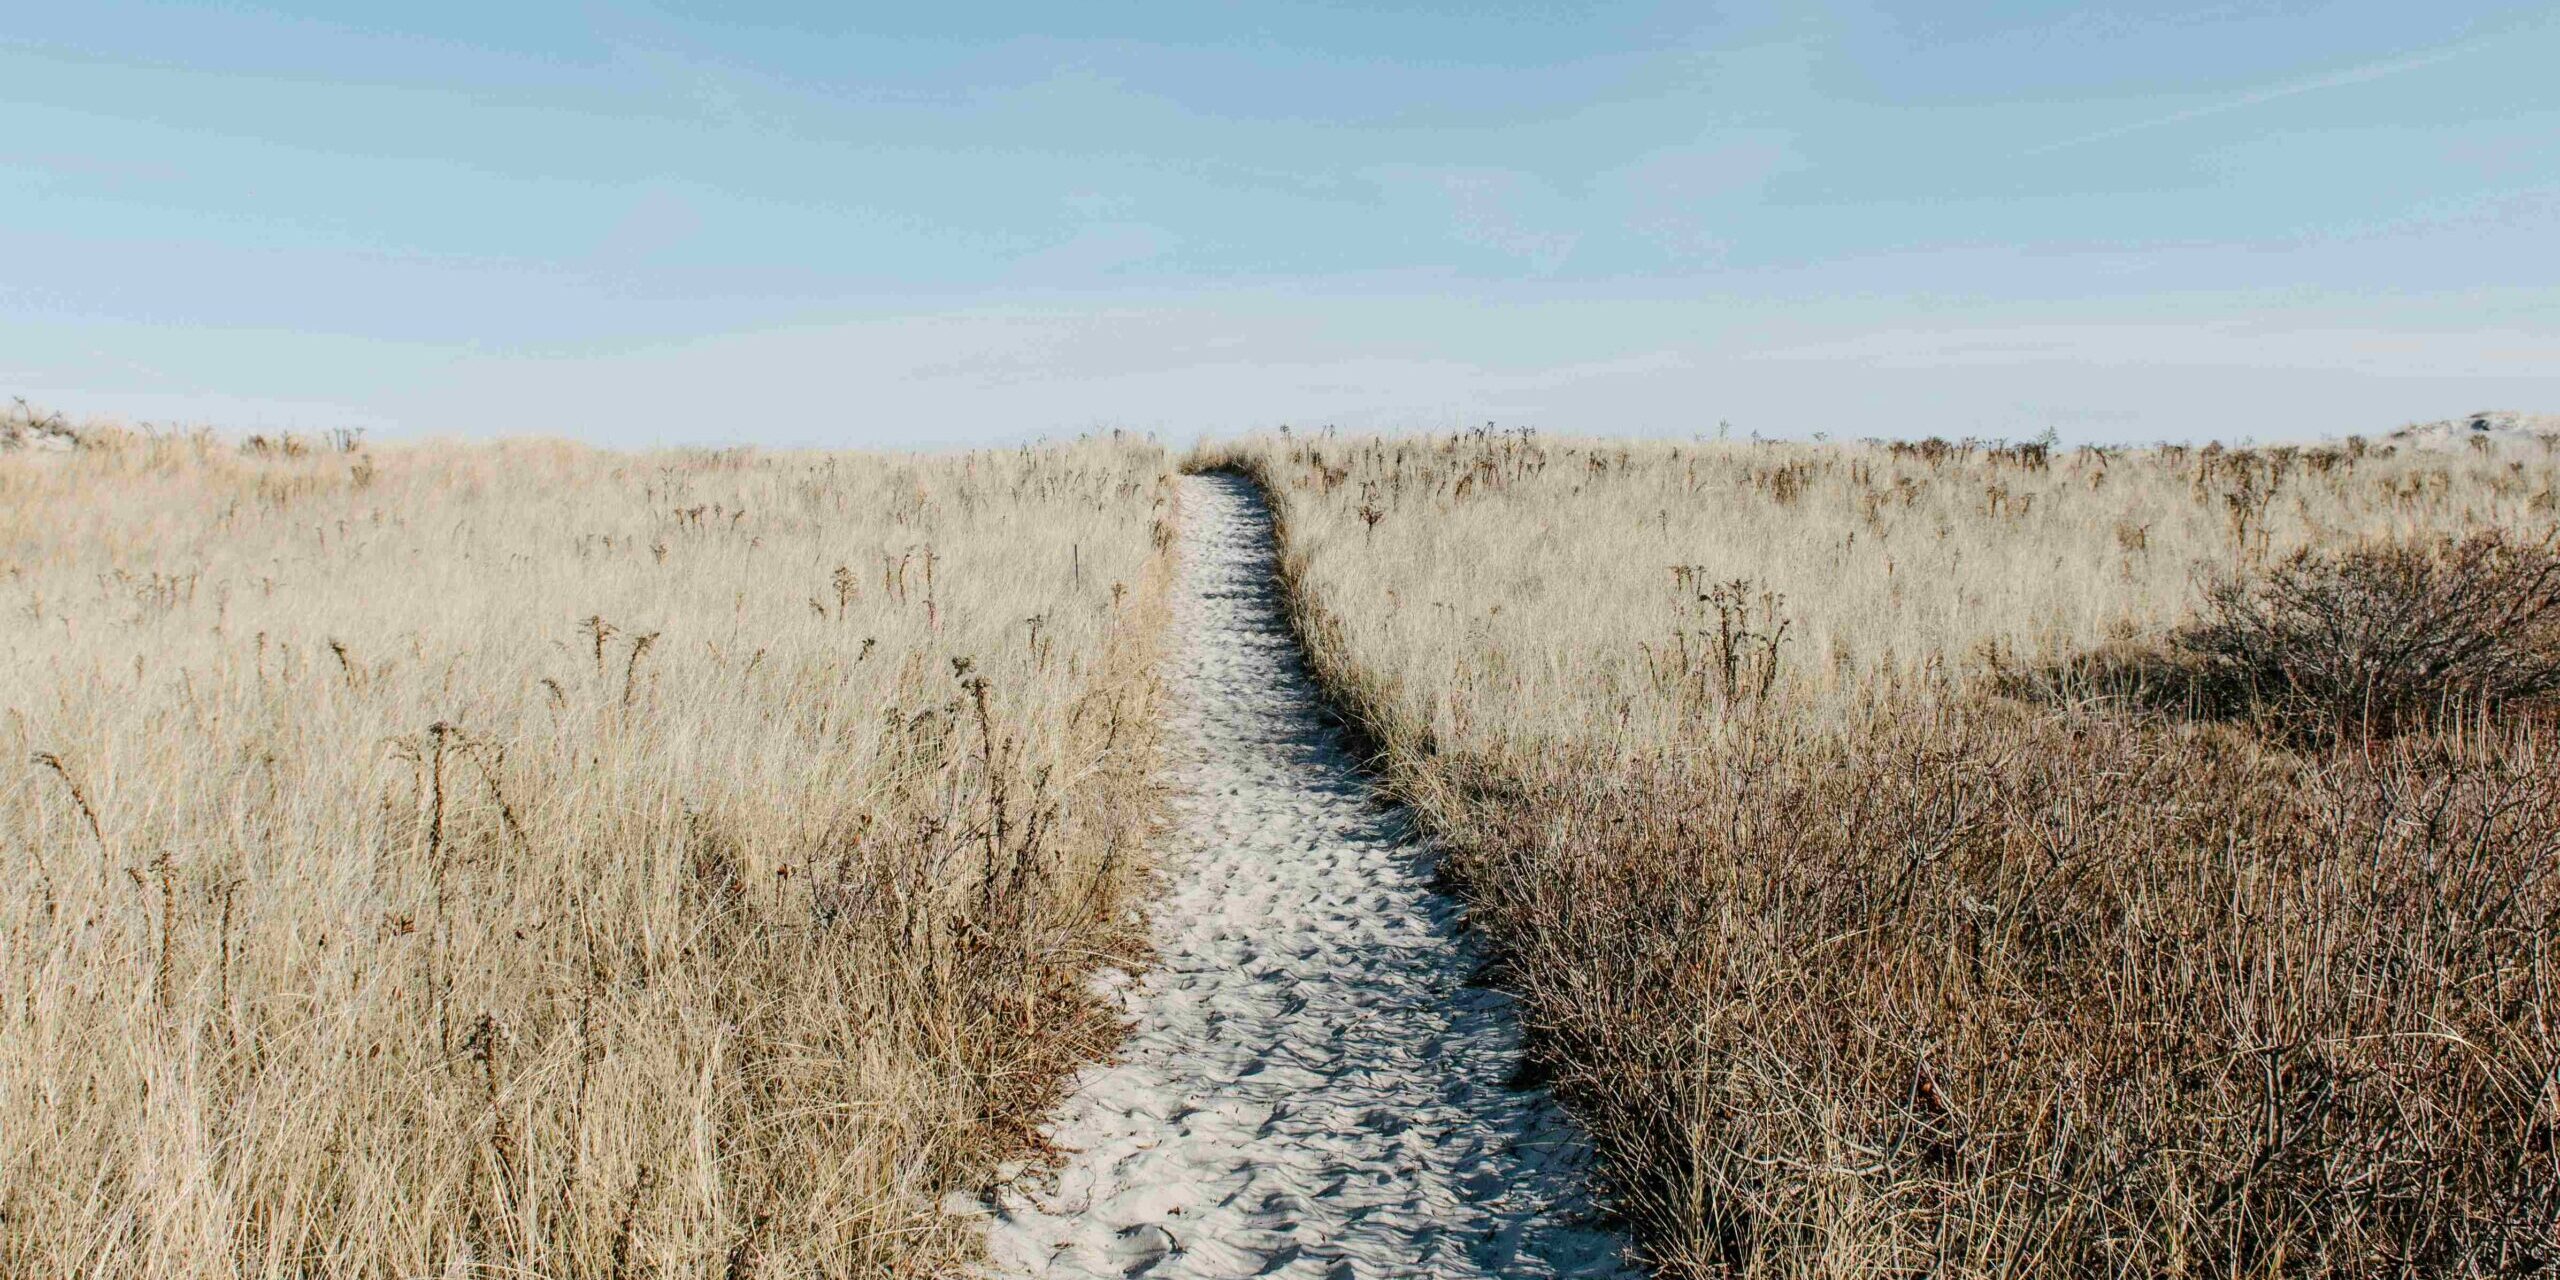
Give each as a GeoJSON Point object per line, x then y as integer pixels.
{"type": "Point", "coordinates": [1310, 1087]}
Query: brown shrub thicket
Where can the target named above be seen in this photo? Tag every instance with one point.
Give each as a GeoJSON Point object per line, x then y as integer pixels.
{"type": "Point", "coordinates": [2374, 637]}
{"type": "Point", "coordinates": [1986, 993]}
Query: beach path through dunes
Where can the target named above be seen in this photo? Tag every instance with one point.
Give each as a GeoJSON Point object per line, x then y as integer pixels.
{"type": "Point", "coordinates": [1311, 1086]}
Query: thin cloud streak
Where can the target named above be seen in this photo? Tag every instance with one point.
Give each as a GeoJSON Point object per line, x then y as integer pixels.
{"type": "Point", "coordinates": [2365, 74]}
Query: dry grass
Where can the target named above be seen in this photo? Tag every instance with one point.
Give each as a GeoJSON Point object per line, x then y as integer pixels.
{"type": "Point", "coordinates": [1517, 589]}
{"type": "Point", "coordinates": [1858, 966]}
{"type": "Point", "coordinates": [523, 860]}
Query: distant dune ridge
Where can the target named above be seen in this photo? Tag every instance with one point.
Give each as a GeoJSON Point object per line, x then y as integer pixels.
{"type": "Point", "coordinates": [2490, 428]}
{"type": "Point", "coordinates": [26, 428]}
{"type": "Point", "coordinates": [32, 428]}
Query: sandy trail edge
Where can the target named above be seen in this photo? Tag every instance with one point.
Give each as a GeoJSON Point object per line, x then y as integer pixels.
{"type": "Point", "coordinates": [1310, 1086]}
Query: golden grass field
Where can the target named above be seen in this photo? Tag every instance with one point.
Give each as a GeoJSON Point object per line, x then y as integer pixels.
{"type": "Point", "coordinates": [1893, 885]}
{"type": "Point", "coordinates": [522, 860]}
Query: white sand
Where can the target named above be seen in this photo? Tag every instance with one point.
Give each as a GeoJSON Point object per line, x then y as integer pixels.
{"type": "Point", "coordinates": [1310, 1086]}
{"type": "Point", "coordinates": [2497, 430]}
{"type": "Point", "coordinates": [22, 433]}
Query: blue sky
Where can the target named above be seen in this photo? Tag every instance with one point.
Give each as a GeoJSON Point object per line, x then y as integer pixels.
{"type": "Point", "coordinates": [814, 224]}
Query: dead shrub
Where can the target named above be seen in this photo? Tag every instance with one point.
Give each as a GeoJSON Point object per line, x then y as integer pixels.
{"type": "Point", "coordinates": [2380, 636]}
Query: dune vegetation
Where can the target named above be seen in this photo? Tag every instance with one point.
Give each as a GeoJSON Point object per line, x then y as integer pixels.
{"type": "Point", "coordinates": [1912, 858]}
{"type": "Point", "coordinates": [520, 859]}
{"type": "Point", "coordinates": [1940, 859]}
